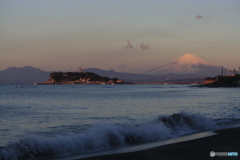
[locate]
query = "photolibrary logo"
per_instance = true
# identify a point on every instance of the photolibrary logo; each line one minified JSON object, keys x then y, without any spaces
{"x":212,"y":154}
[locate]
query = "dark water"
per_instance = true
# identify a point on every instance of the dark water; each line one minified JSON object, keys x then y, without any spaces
{"x":48,"y":120}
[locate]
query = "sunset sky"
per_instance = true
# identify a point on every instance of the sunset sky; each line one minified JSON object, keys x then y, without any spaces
{"x":63,"y":35}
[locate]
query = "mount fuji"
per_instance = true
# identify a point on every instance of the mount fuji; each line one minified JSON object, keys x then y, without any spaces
{"x":188,"y":64}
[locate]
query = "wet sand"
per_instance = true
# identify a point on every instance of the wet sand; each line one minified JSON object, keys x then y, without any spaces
{"x":227,"y":140}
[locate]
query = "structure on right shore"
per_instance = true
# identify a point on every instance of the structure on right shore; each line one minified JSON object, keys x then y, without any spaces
{"x":232,"y":80}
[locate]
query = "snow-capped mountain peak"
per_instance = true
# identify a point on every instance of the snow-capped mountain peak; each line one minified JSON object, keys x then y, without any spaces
{"x":190,"y":59}
{"x":186,"y":64}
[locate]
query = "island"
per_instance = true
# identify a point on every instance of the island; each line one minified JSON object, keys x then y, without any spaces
{"x":79,"y":78}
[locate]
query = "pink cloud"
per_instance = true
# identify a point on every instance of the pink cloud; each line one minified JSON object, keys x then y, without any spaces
{"x":129,"y":45}
{"x":199,"y":17}
{"x":144,"y":46}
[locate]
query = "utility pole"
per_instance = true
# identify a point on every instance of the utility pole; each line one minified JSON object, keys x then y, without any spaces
{"x":222,"y":71}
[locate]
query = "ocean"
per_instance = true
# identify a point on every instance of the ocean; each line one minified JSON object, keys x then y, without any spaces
{"x":54,"y":121}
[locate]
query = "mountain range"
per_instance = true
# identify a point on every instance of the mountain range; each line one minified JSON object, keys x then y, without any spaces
{"x":187,"y":68}
{"x":131,"y":77}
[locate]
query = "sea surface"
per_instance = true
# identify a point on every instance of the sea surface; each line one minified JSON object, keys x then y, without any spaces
{"x":45,"y":121}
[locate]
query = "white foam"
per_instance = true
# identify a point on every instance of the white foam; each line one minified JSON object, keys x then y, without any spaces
{"x":143,"y":146}
{"x":107,"y":136}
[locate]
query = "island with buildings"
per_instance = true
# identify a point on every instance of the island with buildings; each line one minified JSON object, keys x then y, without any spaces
{"x":79,"y":78}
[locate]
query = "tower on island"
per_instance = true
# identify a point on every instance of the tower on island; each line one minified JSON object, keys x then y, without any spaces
{"x":80,"y":70}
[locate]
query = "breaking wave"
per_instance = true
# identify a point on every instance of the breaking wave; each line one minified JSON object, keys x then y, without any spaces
{"x":105,"y":136}
{"x":180,"y":123}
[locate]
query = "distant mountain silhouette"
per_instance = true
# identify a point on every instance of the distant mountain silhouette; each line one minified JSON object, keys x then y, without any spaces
{"x":127,"y":77}
{"x":25,"y":75}
{"x":29,"y":75}
{"x":188,"y":64}
{"x":131,"y":77}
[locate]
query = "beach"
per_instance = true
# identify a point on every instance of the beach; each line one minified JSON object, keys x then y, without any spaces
{"x":226,"y":140}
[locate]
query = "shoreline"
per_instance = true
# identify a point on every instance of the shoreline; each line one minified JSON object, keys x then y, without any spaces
{"x":225,"y":140}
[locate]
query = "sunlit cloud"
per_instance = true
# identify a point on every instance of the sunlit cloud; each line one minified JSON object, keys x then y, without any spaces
{"x":129,"y":45}
{"x":144,"y":46}
{"x":199,"y":17}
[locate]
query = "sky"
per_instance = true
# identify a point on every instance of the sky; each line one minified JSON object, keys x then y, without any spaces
{"x":63,"y":35}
